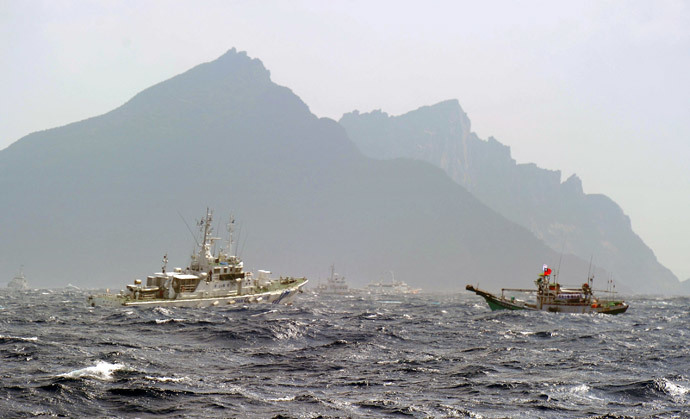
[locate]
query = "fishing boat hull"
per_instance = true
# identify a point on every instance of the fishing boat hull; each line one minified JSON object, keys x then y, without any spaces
{"x":497,"y":303}
{"x":500,"y":303}
{"x":280,"y":296}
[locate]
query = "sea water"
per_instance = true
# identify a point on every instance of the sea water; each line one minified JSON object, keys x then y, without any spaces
{"x":341,"y":356}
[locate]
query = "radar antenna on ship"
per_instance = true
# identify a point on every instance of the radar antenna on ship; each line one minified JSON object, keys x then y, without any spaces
{"x":230,"y":229}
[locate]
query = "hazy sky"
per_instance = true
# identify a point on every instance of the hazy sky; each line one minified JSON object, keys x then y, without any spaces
{"x":596,"y":88}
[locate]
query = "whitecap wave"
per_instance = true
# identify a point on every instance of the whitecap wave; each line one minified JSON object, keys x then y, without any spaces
{"x":282,"y":399}
{"x":162,"y":310}
{"x":23,"y":339}
{"x":101,"y":371}
{"x":166,"y":379}
{"x":163,"y":321}
{"x":672,"y":389}
{"x":582,"y":389}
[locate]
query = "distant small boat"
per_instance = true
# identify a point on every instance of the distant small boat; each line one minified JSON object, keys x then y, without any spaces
{"x":552,"y":297}
{"x":335,"y":284}
{"x":391,"y":287}
{"x":19,"y":282}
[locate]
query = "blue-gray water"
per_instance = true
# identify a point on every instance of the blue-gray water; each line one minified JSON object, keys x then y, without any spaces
{"x":357,"y":356}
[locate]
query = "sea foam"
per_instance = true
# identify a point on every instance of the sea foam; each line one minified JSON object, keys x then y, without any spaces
{"x":101,"y":371}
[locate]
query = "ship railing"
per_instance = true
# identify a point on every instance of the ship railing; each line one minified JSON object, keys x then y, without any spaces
{"x":518,"y":289}
{"x":503,"y":290}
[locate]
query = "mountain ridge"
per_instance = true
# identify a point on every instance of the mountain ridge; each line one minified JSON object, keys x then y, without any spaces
{"x":560,"y":213}
{"x":98,"y":202}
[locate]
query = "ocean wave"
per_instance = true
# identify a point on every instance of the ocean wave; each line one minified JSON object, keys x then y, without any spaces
{"x":672,"y":389}
{"x":101,"y":371}
{"x":648,"y":390}
{"x":342,"y":358}
{"x":167,"y":379}
{"x":162,"y":310}
{"x":149,"y":392}
{"x":11,"y":339}
{"x":164,"y":321}
{"x":472,"y":371}
{"x":388,"y":407}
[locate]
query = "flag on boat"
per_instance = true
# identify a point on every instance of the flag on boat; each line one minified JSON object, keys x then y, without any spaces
{"x":547,"y":270}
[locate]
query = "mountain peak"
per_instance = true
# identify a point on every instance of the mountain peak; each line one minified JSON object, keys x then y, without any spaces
{"x":236,"y":61}
{"x":227,"y":85}
{"x":573,"y":185}
{"x":452,"y":105}
{"x":441,"y":114}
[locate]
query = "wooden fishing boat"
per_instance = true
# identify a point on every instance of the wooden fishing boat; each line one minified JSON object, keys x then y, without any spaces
{"x":552,"y":297}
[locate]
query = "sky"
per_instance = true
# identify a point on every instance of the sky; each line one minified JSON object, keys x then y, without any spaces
{"x":596,"y":88}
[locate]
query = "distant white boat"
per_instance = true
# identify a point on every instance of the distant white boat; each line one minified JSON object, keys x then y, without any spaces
{"x":19,"y":282}
{"x":391,"y":287}
{"x":335,"y":284}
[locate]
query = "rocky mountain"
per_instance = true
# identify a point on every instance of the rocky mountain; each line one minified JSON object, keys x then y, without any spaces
{"x":99,"y":202}
{"x":559,"y":213}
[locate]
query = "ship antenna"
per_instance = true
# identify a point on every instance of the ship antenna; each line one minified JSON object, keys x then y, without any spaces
{"x":242,"y":248}
{"x":237,"y":245}
{"x":214,"y":243}
{"x":230,"y":231}
{"x":188,"y":228}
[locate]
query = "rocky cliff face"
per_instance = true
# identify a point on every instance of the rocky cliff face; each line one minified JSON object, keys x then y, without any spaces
{"x":559,"y":213}
{"x":98,"y":202}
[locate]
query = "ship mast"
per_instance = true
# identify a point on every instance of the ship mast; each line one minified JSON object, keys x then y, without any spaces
{"x":204,"y":252}
{"x":228,"y":247}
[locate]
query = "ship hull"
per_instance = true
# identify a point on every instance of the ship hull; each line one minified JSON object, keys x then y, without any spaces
{"x":498,"y":304}
{"x":280,"y":296}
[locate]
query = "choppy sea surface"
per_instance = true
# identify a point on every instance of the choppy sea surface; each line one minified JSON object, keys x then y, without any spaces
{"x":341,"y":356}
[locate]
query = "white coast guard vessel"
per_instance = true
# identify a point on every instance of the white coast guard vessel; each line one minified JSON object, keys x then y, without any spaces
{"x":19,"y":282}
{"x":391,"y":287}
{"x":335,"y":284}
{"x":209,"y":280}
